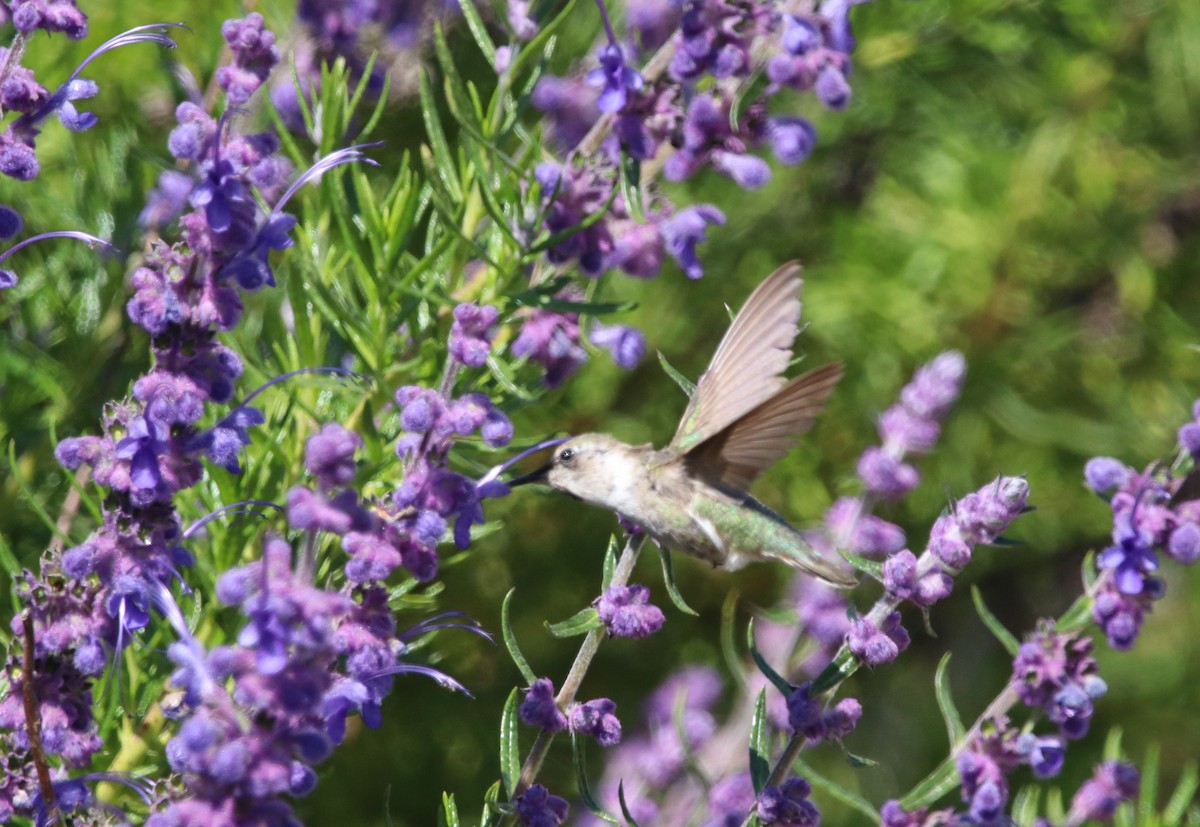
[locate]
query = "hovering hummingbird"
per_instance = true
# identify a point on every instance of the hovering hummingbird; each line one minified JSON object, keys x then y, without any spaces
{"x":692,"y":496}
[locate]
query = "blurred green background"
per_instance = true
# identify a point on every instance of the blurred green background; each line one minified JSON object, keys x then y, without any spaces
{"x":1017,"y":180}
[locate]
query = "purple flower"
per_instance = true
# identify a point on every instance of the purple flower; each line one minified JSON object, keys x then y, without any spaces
{"x":329,"y":455}
{"x":598,"y":719}
{"x":614,"y":78}
{"x":551,"y":339}
{"x":1103,"y":474}
{"x":807,"y":718}
{"x":788,"y":806}
{"x":51,"y":16}
{"x":626,"y":344}
{"x":876,"y":645}
{"x":1045,"y":755}
{"x":536,"y":807}
{"x":539,"y":708}
{"x":472,"y":332}
{"x":729,"y":800}
{"x":885,"y":476}
{"x":684,"y":230}
{"x":254,"y":55}
{"x":792,"y":139}
{"x":1112,"y":783}
{"x":627,"y":612}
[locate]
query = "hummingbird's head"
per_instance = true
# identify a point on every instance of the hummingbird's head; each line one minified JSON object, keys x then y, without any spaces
{"x":591,"y":467}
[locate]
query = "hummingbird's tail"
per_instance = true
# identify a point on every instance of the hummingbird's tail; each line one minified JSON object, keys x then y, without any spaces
{"x":829,"y":569}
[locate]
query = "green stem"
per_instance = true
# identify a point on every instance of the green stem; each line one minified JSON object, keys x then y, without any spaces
{"x":583,"y":660}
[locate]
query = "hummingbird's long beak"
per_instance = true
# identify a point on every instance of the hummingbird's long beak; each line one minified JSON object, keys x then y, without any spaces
{"x":538,"y":475}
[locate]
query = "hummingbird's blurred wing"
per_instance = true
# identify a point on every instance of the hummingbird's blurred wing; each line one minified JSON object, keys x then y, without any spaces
{"x":737,"y":455}
{"x":747,"y":368}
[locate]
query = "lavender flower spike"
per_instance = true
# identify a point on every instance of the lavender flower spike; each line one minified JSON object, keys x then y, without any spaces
{"x":8,"y":278}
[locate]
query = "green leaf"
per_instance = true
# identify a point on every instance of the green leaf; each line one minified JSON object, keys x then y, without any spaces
{"x":1025,"y":805}
{"x":629,"y":820}
{"x":31,"y":499}
{"x":760,"y":761}
{"x":449,"y":813}
{"x":941,"y":688}
{"x":510,"y":641}
{"x":8,"y":560}
{"x":542,"y":41}
{"x":478,"y":30}
{"x":835,"y":790}
{"x":934,"y":786}
{"x":1077,"y":616}
{"x":580,"y":623}
{"x":510,"y":750}
{"x":457,"y":97}
{"x":554,"y":239}
{"x":631,"y":187}
{"x":610,"y":562}
{"x":668,"y":568}
{"x":1148,"y":785}
{"x":682,"y":381}
{"x":444,"y":166}
{"x":871,"y":568}
{"x":581,"y":781}
{"x":733,"y":660}
{"x":1182,"y":798}
{"x":748,"y":90}
{"x":774,"y":677}
{"x":1006,"y":638}
{"x":843,"y":665}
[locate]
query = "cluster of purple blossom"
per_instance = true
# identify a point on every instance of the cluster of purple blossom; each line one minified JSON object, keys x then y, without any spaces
{"x":1153,"y":511}
{"x":90,"y":601}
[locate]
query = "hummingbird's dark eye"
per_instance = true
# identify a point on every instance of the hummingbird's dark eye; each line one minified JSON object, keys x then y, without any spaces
{"x":566,"y":455}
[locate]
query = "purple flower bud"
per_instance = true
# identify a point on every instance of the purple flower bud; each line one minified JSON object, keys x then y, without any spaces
{"x":748,"y":171}
{"x":523,"y":26}
{"x":51,"y":16}
{"x":627,"y":612}
{"x":900,"y":575}
{"x":539,"y":709}
{"x":329,"y":455}
{"x":893,"y":815}
{"x":947,"y":544}
{"x":935,"y":386}
{"x":875,"y":646}
{"x":831,"y":87}
{"x":536,"y":807}
{"x":472,"y":332}
{"x":792,"y":139}
{"x":597,"y":718}
{"x":799,"y":36}
{"x":497,"y":430}
{"x":884,"y":475}
{"x":626,"y":344}
{"x":420,"y":410}
{"x":905,"y":431}
{"x":1112,"y":783}
{"x":1184,"y":543}
{"x":984,"y":515}
{"x":10,"y":220}
{"x":373,"y":557}
{"x":1189,"y":438}
{"x":254,"y":54}
{"x":933,"y":587}
{"x":787,"y":805}
{"x":1103,"y":474}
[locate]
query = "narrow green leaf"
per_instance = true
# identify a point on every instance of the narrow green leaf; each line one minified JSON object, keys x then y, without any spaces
{"x":871,"y":568}
{"x":835,"y":790}
{"x":748,"y":90}
{"x":1089,"y":571}
{"x":1025,"y":805}
{"x":478,"y":30}
{"x":1148,"y":785}
{"x":629,"y":820}
{"x":581,"y":781}
{"x":8,"y":561}
{"x":542,"y":41}
{"x":580,"y":623}
{"x":859,"y":761}
{"x":1182,"y":798}
{"x":456,"y":90}
{"x":449,"y":814}
{"x":1112,"y":744}
{"x":934,"y":786}
{"x":1006,"y":638}
{"x":1056,"y":811}
{"x":444,"y":166}
{"x":774,"y":677}
{"x":492,"y":814}
{"x":594,"y":308}
{"x":610,"y":561}
{"x":729,"y":652}
{"x":510,"y":749}
{"x":510,"y":641}
{"x":689,"y":387}
{"x":941,"y":688}
{"x":1077,"y":616}
{"x":760,"y":761}
{"x":668,"y":568}
{"x":30,"y":498}
{"x":843,"y":665}
{"x":631,"y":187}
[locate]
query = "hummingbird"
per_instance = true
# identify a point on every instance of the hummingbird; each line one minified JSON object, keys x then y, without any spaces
{"x":693,"y":495}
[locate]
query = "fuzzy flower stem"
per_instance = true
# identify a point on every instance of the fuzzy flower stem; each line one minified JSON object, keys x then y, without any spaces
{"x":587,"y":651}
{"x":33,"y":720}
